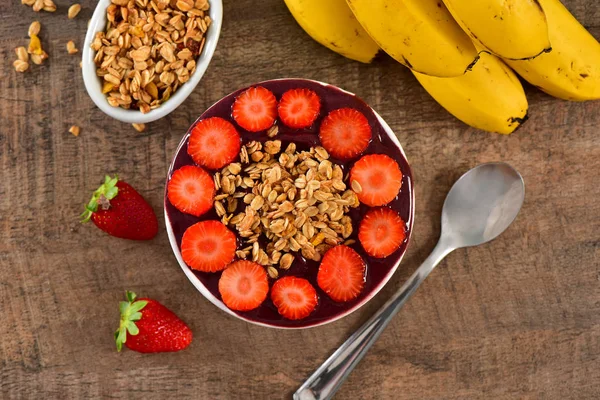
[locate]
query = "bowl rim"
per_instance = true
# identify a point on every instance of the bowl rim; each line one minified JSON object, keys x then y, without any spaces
{"x":217,"y":302}
{"x":93,"y":83}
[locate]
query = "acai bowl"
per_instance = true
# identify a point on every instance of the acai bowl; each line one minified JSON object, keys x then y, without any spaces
{"x":289,"y":203}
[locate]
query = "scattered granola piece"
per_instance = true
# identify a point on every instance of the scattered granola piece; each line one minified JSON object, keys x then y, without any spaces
{"x":74,"y":130}
{"x":273,"y":273}
{"x":285,"y":262}
{"x":49,"y":6}
{"x":34,"y":28}
{"x":38,"y":59}
{"x":71,"y":49}
{"x":356,"y":186}
{"x":73,"y":11}
{"x":21,"y":66}
{"x":139,"y":127}
{"x":22,"y":54}
{"x":38,"y":5}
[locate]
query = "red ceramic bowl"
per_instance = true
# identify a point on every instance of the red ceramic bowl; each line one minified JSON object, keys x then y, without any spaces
{"x":379,"y":271}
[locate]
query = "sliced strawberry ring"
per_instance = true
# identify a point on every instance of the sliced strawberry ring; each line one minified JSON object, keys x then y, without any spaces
{"x":381,"y":232}
{"x":298,"y":108}
{"x":376,"y":179}
{"x":255,"y":109}
{"x":214,"y":143}
{"x":295,"y":298}
{"x":341,"y":273}
{"x":191,"y":190}
{"x":208,"y":246}
{"x":243,"y":285}
{"x":345,"y":133}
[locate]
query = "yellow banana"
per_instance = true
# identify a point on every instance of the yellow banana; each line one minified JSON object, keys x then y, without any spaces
{"x":571,"y":71}
{"x":420,"y":34}
{"x":331,"y":23}
{"x":515,"y":29}
{"x":488,"y":97}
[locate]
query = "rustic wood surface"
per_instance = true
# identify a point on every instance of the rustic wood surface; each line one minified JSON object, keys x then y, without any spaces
{"x":517,"y":318}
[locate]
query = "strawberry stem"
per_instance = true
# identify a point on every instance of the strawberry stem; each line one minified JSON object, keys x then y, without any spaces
{"x":130,"y":312}
{"x":106,"y":192}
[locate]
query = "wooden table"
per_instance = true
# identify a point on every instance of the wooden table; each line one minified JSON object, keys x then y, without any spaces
{"x":517,"y":318}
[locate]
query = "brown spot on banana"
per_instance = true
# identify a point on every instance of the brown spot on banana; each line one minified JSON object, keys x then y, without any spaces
{"x":519,"y":121}
{"x":470,"y":66}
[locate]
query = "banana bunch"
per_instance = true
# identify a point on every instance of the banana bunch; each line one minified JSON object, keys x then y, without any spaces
{"x":459,"y":49}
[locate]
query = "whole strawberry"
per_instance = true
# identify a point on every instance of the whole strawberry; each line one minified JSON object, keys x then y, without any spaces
{"x":120,"y":211}
{"x":149,"y":327}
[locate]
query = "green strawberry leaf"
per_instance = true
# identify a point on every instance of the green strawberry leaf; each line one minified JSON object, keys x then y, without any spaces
{"x":108,"y":190}
{"x":132,"y":328}
{"x":136,"y":316}
{"x":130,"y":312}
{"x":137,"y":306}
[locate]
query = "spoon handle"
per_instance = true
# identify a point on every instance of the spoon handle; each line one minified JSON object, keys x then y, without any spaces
{"x":327,"y":379}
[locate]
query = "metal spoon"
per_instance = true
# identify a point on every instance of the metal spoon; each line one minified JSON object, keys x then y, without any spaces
{"x":478,"y":208}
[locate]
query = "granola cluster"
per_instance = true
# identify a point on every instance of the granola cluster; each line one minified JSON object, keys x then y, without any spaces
{"x":149,"y":49}
{"x":34,"y":51}
{"x":40,"y":5}
{"x":282,"y":202}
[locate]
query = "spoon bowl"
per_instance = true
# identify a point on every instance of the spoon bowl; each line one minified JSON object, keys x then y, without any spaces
{"x":482,"y":204}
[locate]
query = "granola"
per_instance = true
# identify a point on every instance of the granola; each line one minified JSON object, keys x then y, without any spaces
{"x":149,"y":50}
{"x":71,"y":48}
{"x":74,"y":130}
{"x":39,"y":5}
{"x":73,"y":11}
{"x":34,"y":51}
{"x":284,"y":201}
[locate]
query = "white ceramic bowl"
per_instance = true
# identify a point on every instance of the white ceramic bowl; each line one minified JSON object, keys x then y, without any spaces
{"x":93,"y":83}
{"x":308,"y":322}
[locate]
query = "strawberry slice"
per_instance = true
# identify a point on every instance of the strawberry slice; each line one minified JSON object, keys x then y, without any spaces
{"x":345,"y":133}
{"x":298,"y":108}
{"x":214,"y":143}
{"x":376,"y":179}
{"x":244,"y":285}
{"x":381,"y":232}
{"x":295,"y":298}
{"x":341,"y":273}
{"x":191,"y":190}
{"x":255,"y":109}
{"x":208,"y":246}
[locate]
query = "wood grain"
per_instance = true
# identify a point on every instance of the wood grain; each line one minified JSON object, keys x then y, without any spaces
{"x":517,"y":318}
